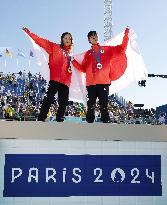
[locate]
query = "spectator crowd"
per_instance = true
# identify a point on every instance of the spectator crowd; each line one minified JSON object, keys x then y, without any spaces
{"x":21,"y":95}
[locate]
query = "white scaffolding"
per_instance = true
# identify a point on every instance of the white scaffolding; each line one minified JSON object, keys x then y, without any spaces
{"x":107,"y":19}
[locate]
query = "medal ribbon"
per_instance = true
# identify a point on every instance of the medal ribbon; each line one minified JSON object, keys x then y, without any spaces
{"x":68,"y":57}
{"x":97,"y":54}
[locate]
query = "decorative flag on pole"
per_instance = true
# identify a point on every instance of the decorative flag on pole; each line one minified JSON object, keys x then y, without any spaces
{"x":31,"y":55}
{"x":20,"y":54}
{"x":8,"y":53}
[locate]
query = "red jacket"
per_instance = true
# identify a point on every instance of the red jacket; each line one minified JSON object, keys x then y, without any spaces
{"x":108,"y":55}
{"x":57,"y":59}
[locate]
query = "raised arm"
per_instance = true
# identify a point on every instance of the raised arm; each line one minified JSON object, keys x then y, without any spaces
{"x":125,"y":39}
{"x":114,"y":51}
{"x":44,"y":43}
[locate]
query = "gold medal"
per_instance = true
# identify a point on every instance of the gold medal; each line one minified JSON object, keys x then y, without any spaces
{"x":69,"y":69}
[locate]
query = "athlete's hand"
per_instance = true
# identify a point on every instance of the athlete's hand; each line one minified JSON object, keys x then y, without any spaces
{"x":25,"y":29}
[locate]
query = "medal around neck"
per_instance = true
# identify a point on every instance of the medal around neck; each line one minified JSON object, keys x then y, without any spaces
{"x":69,"y":69}
{"x":99,"y":66}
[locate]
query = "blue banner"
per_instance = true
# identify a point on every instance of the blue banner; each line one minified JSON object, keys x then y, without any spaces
{"x":58,"y":175}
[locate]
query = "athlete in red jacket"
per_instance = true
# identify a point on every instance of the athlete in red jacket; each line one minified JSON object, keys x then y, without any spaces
{"x":97,"y":66}
{"x":60,"y":73}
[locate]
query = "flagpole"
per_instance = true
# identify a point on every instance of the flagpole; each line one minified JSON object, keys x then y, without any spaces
{"x":17,"y":62}
{"x":29,"y":63}
{"x":5,"y":62}
{"x":30,"y":55}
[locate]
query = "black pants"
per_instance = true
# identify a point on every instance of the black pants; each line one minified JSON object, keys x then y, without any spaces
{"x":63,"y":93}
{"x":101,"y":91}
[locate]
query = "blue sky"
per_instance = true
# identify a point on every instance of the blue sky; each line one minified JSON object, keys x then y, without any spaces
{"x":51,"y":18}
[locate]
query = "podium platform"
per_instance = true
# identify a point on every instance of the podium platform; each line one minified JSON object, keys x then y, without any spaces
{"x":82,"y":131}
{"x":68,"y":163}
